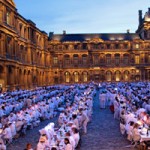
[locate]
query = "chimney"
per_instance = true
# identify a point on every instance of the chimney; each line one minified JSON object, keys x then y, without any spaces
{"x":128,"y":31}
{"x":140,"y":17}
{"x":50,"y":35}
{"x":64,"y":32}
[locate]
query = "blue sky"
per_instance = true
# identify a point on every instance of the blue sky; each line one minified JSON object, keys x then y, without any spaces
{"x":83,"y":16}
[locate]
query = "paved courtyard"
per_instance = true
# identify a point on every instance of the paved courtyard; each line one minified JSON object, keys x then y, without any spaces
{"x":103,"y":133}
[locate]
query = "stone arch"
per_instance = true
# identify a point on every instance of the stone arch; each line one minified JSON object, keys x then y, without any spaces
{"x":85,"y":76}
{"x":126,"y":75}
{"x":29,"y":78}
{"x":2,"y":81}
{"x":117,"y":76}
{"x":109,"y":76}
{"x":67,"y":77}
{"x":10,"y":75}
{"x":76,"y":76}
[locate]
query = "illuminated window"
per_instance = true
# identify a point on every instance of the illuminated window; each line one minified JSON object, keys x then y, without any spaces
{"x":126,"y":75}
{"x":8,"y":17}
{"x":108,"y":76}
{"x":148,"y":58}
{"x":55,"y":60}
{"x":118,"y":76}
{"x":137,"y":46}
{"x":137,"y":59}
{"x":1,"y":16}
{"x":76,"y":77}
{"x":85,"y":76}
{"x":67,"y":77}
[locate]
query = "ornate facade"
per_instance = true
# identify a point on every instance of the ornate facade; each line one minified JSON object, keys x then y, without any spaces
{"x":29,"y":57}
{"x":24,"y":56}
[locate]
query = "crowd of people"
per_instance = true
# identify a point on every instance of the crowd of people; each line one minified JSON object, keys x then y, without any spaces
{"x":72,"y":121}
{"x":21,"y":110}
{"x":24,"y":109}
{"x":130,"y":103}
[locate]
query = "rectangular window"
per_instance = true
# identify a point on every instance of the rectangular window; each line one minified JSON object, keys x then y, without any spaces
{"x":84,"y":59}
{"x":55,"y":60}
{"x":149,"y":59}
{"x":137,"y":46}
{"x":108,"y":60}
{"x":8,"y":17}
{"x":117,"y":60}
{"x":67,"y":61}
{"x":1,"y":16}
{"x":96,"y":60}
{"x":126,"y":60}
{"x":137,"y":59}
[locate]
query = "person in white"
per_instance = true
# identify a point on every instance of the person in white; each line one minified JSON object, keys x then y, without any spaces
{"x":102,"y":99}
{"x":68,"y":146}
{"x":7,"y":135}
{"x":76,"y":136}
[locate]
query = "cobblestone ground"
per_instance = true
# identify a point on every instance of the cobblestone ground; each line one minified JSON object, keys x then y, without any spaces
{"x":103,"y":133}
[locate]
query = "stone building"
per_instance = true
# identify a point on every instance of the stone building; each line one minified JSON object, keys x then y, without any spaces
{"x":29,"y":57}
{"x":24,"y":55}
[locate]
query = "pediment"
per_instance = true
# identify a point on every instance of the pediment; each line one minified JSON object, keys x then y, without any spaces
{"x":96,"y":40}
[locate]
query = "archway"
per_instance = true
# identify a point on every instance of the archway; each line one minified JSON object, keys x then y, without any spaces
{"x":67,"y":77}
{"x":109,"y":76}
{"x":117,"y":76}
{"x":76,"y":77}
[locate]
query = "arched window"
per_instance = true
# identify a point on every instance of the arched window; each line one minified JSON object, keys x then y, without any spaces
{"x":76,"y":77}
{"x":85,"y":76}
{"x":67,"y":77}
{"x":108,"y":76}
{"x":126,"y":75}
{"x":118,"y":76}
